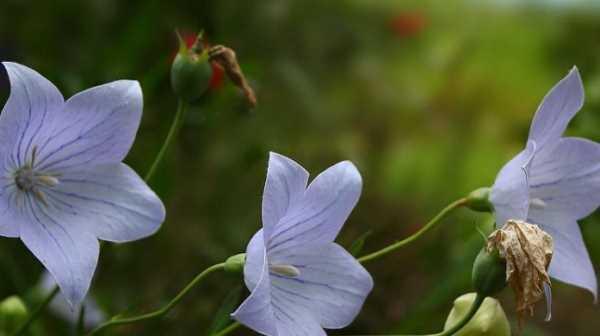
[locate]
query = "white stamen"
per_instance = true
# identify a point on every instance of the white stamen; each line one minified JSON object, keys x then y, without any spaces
{"x":537,"y":203}
{"x":48,"y":180}
{"x":285,"y":270}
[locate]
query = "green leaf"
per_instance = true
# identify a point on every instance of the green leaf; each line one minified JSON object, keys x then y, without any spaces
{"x":222,"y":318}
{"x":357,"y":246}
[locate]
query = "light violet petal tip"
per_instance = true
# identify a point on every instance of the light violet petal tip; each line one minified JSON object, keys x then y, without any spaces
{"x":557,"y":109}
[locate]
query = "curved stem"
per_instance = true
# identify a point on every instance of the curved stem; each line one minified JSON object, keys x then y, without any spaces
{"x":228,"y":329}
{"x":162,"y":311}
{"x":38,"y":310}
{"x":472,"y":311}
{"x":391,"y":248}
{"x":175,"y":126}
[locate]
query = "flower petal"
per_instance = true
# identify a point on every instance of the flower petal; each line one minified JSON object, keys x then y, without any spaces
{"x":68,"y":252}
{"x":565,"y":177}
{"x":510,"y":192}
{"x":285,"y":186}
{"x":556,"y":110}
{"x":9,"y":230}
{"x":548,"y":295}
{"x":256,"y":311}
{"x":9,"y":200}
{"x":33,"y":102}
{"x":109,"y":200}
{"x":332,"y":284}
{"x":323,"y":209}
{"x":255,"y":254}
{"x":571,"y":262}
{"x":95,"y":126}
{"x":295,"y":320}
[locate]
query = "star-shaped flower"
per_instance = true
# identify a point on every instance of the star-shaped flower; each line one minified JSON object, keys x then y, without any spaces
{"x":62,"y":183}
{"x":301,"y":281}
{"x":554,"y":182}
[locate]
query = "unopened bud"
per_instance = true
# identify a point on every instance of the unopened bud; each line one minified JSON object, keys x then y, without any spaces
{"x":13,"y":313}
{"x":235,"y":264}
{"x":490,"y":319}
{"x":191,"y":71}
{"x":489,"y":273}
{"x":479,"y":200}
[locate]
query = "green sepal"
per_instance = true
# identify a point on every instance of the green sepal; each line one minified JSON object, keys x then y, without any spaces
{"x":235,"y":264}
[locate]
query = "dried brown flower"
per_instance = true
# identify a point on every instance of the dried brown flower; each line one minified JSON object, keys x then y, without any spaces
{"x":227,"y":59}
{"x":527,"y":250}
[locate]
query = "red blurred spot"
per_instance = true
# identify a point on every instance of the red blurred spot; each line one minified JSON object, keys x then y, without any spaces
{"x":218,"y":74}
{"x":407,"y":24}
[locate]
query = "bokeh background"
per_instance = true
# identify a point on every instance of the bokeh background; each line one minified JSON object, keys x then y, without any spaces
{"x":427,"y":98}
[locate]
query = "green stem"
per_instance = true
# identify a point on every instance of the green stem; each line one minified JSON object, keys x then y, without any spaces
{"x":162,"y":311}
{"x":175,"y":126}
{"x":80,"y":330}
{"x":228,"y":329}
{"x":391,"y":248}
{"x":38,"y":310}
{"x":472,"y":311}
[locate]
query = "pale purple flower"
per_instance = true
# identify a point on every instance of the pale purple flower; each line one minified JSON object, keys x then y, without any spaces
{"x":301,"y":281}
{"x":62,"y":183}
{"x":554,"y":182}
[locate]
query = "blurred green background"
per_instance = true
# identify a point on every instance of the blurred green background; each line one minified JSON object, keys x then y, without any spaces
{"x":427,"y":98}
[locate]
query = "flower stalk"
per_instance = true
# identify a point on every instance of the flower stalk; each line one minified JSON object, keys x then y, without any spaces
{"x":431,"y":224}
{"x":162,"y":311}
{"x":173,"y":130}
{"x":232,"y":327}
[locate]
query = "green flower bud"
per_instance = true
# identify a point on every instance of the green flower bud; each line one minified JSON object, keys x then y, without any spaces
{"x":191,"y":71}
{"x":13,"y":313}
{"x":490,"y":319}
{"x":235,"y":264}
{"x":489,"y":273}
{"x":479,"y":200}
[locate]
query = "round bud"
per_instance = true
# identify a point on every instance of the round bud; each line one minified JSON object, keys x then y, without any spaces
{"x":489,"y":273}
{"x":13,"y":313}
{"x":479,"y":200}
{"x":191,"y":72}
{"x":490,"y":319}
{"x":235,"y":264}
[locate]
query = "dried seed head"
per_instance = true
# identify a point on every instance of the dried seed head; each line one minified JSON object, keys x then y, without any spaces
{"x":227,"y":59}
{"x":527,"y":250}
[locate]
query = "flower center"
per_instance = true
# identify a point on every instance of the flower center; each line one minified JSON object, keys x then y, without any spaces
{"x":284,"y":270}
{"x":28,"y":180}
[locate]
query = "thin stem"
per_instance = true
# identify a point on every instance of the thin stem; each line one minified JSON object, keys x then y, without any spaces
{"x":472,"y":311}
{"x":175,"y":126}
{"x":80,"y":330}
{"x":38,"y":310}
{"x":391,"y":248}
{"x":162,"y":311}
{"x":228,"y":329}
